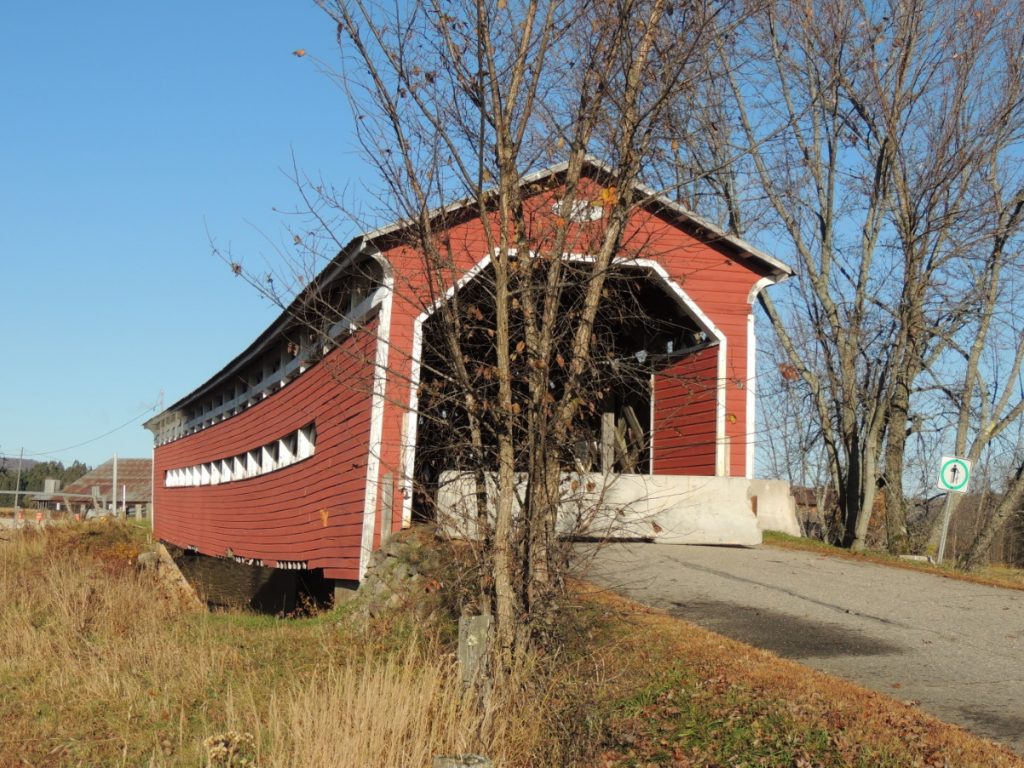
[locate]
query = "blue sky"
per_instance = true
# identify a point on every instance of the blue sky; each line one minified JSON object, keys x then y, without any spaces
{"x":127,"y":130}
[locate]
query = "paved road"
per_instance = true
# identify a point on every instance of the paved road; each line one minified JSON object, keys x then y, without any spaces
{"x":956,"y":647}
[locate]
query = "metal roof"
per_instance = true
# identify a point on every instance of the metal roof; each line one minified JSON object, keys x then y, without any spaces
{"x":135,"y":474}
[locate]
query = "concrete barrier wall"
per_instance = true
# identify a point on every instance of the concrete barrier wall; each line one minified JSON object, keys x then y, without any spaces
{"x":775,"y":505}
{"x":674,"y":509}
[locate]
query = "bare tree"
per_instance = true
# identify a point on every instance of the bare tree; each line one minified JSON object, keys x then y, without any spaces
{"x":872,"y":131}
{"x":989,"y":400}
{"x":461,"y":101}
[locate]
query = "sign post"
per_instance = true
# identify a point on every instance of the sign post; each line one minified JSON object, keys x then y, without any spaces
{"x":954,"y":474}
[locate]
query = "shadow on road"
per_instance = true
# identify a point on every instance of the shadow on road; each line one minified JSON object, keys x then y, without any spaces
{"x":788,"y":636}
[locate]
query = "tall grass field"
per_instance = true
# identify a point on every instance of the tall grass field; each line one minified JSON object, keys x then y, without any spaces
{"x":101,"y":664}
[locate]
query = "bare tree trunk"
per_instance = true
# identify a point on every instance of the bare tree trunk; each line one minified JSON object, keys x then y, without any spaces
{"x":897,"y":534}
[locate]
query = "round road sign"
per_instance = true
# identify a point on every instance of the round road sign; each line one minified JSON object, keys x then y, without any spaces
{"x":954,"y":474}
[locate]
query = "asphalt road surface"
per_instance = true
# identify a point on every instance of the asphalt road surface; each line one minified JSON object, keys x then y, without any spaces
{"x":956,"y":647}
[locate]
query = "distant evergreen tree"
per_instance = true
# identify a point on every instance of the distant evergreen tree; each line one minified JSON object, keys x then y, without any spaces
{"x":75,"y":471}
{"x":33,"y":478}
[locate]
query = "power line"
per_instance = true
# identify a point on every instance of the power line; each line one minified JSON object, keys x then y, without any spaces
{"x":128,"y":423}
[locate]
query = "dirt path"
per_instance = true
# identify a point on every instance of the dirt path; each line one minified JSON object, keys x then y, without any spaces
{"x":955,"y":647}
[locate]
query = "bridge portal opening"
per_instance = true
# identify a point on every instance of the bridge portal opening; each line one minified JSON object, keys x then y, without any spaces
{"x":643,"y":324}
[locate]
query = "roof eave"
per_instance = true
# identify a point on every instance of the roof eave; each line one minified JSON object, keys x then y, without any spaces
{"x":280,"y":324}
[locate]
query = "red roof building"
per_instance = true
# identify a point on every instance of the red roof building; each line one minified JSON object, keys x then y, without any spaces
{"x":94,"y":489}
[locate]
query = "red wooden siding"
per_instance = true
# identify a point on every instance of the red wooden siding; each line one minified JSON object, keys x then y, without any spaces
{"x":684,"y":416}
{"x":310,"y":511}
{"x":720,"y":284}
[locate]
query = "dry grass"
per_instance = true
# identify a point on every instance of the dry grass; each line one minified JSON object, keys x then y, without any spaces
{"x":96,"y":667}
{"x":399,"y":711}
{"x":705,"y":700}
{"x":99,"y":667}
{"x":1002,"y":576}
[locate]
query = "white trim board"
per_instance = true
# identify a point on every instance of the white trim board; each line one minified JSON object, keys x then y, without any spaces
{"x":412,"y":423}
{"x":377,"y":402}
{"x":751,"y":379}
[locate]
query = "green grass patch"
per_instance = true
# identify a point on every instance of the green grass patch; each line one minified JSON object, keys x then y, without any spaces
{"x":683,"y":719}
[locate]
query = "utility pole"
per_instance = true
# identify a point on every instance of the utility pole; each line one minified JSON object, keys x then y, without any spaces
{"x":17,"y":482}
{"x":113,"y":488}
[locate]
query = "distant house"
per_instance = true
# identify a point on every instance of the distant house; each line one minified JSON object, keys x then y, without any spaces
{"x":300,"y":458}
{"x":94,"y":489}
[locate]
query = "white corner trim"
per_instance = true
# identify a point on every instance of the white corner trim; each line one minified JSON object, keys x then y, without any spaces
{"x":721,"y":443}
{"x":152,"y":493}
{"x":412,"y":422}
{"x":751,"y":386}
{"x":750,"y":378}
{"x":757,"y":287}
{"x":650,"y":421}
{"x":377,"y":402}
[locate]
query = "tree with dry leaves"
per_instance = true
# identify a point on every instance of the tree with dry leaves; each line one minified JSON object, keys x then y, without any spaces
{"x":462,"y":100}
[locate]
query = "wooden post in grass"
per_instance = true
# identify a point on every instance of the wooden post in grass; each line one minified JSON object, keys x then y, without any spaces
{"x":17,"y":481}
{"x":113,"y":489}
{"x":473,"y":632}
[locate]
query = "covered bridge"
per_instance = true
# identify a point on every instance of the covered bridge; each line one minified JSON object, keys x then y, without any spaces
{"x":303,"y":455}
